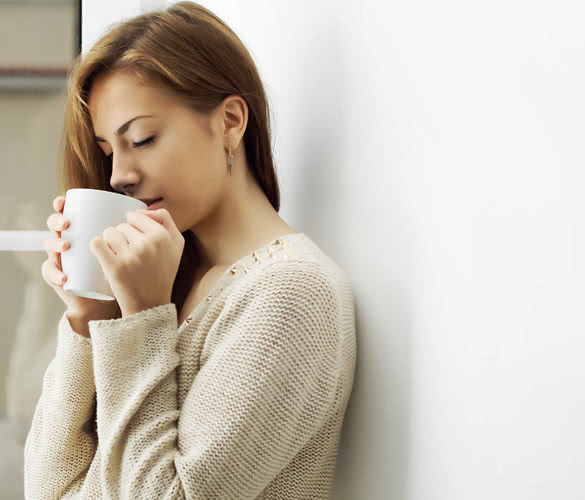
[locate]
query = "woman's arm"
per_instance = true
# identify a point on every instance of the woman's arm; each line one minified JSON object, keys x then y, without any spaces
{"x":267,"y":382}
{"x":62,"y":442}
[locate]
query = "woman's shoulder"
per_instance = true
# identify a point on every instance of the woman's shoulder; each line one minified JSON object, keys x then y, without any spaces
{"x":292,"y":263}
{"x":295,"y":290}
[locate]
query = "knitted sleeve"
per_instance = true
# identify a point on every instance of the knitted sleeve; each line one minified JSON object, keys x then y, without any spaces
{"x":61,"y":442}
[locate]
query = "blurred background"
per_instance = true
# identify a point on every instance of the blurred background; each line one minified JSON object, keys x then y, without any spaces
{"x":38,"y":41}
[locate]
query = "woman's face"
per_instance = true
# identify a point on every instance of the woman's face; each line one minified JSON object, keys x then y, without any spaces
{"x":172,"y":153}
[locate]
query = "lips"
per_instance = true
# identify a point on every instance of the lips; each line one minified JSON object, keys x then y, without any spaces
{"x":154,"y":204}
{"x":149,"y":201}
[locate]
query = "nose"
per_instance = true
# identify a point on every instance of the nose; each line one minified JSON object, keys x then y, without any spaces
{"x":124,"y":174}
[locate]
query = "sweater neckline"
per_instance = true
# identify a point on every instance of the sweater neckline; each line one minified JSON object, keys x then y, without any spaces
{"x":277,"y":249}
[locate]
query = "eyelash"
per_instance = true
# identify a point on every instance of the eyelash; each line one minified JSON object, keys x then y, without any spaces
{"x":137,"y":145}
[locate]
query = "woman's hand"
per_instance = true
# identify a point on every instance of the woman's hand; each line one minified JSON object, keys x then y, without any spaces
{"x":140,"y":259}
{"x":52,"y":272}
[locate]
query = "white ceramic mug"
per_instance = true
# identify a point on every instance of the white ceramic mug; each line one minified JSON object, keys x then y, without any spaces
{"x":90,"y":212}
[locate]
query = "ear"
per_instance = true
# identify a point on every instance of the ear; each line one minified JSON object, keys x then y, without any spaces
{"x":234,"y":117}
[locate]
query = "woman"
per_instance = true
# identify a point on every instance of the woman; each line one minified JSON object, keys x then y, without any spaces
{"x":230,"y":380}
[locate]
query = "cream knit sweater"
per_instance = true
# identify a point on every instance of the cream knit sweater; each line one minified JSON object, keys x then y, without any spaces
{"x":244,"y":400}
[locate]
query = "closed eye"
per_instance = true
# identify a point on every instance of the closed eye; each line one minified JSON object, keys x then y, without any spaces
{"x":142,"y":143}
{"x":137,"y":144}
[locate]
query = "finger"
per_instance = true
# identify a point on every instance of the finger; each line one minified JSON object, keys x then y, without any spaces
{"x":169,"y":224}
{"x":59,"y":277}
{"x":54,"y":257}
{"x":57,"y":222}
{"x":56,"y":245}
{"x":140,"y":220}
{"x":102,"y":251}
{"x":45,"y":271}
{"x":58,"y":203}
{"x":115,"y":240}
{"x":161,"y":216}
{"x":130,"y":232}
{"x":51,"y":273}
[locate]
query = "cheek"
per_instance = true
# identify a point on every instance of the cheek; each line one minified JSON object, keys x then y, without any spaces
{"x":200,"y":175}
{"x":207,"y":191}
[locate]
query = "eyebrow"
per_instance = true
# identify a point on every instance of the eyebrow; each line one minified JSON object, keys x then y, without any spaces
{"x":124,"y":128}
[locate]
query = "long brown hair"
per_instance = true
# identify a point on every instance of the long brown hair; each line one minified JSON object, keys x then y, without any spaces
{"x":191,"y":53}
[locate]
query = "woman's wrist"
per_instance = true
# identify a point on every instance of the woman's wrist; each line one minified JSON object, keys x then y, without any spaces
{"x":78,"y":323}
{"x":79,"y":320}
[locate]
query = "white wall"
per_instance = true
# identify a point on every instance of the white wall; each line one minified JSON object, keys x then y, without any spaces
{"x":434,"y":150}
{"x":98,"y":15}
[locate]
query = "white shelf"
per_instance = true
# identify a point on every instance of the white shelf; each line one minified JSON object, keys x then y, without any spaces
{"x":23,"y":241}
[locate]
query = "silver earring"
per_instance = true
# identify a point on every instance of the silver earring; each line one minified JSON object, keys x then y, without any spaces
{"x":230,"y":160}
